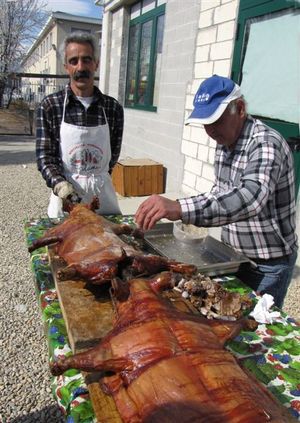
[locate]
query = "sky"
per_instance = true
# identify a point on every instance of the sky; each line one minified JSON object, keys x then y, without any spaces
{"x":74,"y":7}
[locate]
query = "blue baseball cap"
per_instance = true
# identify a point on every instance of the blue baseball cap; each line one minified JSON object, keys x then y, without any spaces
{"x":212,"y":98}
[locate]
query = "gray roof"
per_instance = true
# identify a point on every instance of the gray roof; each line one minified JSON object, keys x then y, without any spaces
{"x":75,"y":18}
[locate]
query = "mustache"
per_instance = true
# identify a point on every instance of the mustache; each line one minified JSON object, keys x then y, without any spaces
{"x":81,"y":74}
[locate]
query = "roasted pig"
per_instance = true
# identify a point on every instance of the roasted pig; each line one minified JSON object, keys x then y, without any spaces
{"x":167,"y":366}
{"x":90,"y":246}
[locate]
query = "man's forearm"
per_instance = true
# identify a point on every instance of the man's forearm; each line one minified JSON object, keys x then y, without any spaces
{"x":52,"y":174}
{"x":48,"y":164}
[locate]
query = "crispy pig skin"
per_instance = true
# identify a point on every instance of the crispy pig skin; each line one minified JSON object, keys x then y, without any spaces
{"x":169,"y":366}
{"x":90,"y":246}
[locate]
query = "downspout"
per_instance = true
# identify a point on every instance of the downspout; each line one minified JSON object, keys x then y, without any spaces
{"x":105,"y":53}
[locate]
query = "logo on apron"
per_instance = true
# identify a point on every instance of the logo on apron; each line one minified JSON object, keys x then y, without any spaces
{"x":85,"y":158}
{"x":86,"y":153}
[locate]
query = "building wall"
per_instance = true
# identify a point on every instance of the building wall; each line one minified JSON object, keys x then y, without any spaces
{"x":213,"y":55}
{"x":156,"y":135}
{"x":116,"y":73}
{"x":42,"y":59}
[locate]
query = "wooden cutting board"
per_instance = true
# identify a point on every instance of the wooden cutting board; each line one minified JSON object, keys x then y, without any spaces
{"x":87,"y":310}
{"x":88,"y":315}
{"x":104,"y":406}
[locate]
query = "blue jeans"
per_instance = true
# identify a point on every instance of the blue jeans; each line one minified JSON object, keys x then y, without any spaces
{"x":271,"y":276}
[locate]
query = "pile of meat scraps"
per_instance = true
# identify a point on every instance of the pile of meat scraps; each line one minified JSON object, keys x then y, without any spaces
{"x":211,"y":299}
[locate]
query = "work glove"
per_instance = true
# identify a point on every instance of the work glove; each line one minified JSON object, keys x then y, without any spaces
{"x":65,"y":191}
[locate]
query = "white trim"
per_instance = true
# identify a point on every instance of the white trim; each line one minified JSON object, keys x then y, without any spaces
{"x":235,"y":93}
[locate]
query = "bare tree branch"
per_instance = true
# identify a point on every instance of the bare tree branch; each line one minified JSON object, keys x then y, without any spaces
{"x":20,"y":22}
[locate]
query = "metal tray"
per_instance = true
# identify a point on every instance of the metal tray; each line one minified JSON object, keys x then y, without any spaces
{"x":211,"y":256}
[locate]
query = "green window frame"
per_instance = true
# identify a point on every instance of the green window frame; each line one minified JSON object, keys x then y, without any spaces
{"x":143,"y":67}
{"x":251,"y":9}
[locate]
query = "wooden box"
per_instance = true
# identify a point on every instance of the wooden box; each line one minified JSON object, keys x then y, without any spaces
{"x":134,"y":177}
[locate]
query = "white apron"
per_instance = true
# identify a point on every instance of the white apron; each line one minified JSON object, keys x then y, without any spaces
{"x":86,"y":153}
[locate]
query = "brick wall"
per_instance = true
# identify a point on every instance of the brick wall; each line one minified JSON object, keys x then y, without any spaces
{"x":213,"y":54}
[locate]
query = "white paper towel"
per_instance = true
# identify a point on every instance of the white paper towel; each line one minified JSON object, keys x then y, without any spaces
{"x":261,"y":311}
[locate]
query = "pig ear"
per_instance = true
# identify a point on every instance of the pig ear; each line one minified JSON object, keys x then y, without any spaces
{"x":120,"y":289}
{"x":95,"y":203}
{"x":162,"y":281}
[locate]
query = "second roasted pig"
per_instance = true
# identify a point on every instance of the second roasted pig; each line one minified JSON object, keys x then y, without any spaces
{"x":169,"y":366}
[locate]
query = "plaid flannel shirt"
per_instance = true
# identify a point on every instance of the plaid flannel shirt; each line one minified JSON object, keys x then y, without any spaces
{"x":49,"y":117}
{"x":253,"y":197}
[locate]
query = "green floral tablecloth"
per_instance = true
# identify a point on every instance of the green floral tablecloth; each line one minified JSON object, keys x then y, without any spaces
{"x":271,"y":353}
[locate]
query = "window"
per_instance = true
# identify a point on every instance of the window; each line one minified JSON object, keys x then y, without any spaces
{"x":144,"y":54}
{"x":266,"y":70}
{"x":266,"y":64}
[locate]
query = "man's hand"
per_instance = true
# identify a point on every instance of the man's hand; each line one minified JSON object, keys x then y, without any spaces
{"x":156,"y":208}
{"x":64,"y":190}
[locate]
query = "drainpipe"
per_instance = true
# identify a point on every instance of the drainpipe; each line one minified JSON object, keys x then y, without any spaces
{"x":104,"y":53}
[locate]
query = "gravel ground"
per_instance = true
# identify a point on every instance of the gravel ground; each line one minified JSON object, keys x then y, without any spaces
{"x":25,"y":394}
{"x":24,"y":376}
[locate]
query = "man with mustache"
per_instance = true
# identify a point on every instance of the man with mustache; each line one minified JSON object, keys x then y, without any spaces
{"x":253,"y":196}
{"x":79,"y":133}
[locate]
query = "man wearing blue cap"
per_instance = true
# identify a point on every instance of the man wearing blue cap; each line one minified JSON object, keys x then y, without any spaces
{"x":253,"y":197}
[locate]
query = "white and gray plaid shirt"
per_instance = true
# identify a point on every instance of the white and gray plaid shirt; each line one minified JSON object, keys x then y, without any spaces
{"x":253,"y":197}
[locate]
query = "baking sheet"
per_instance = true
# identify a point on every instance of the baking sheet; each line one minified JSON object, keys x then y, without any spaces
{"x":212,"y":257}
